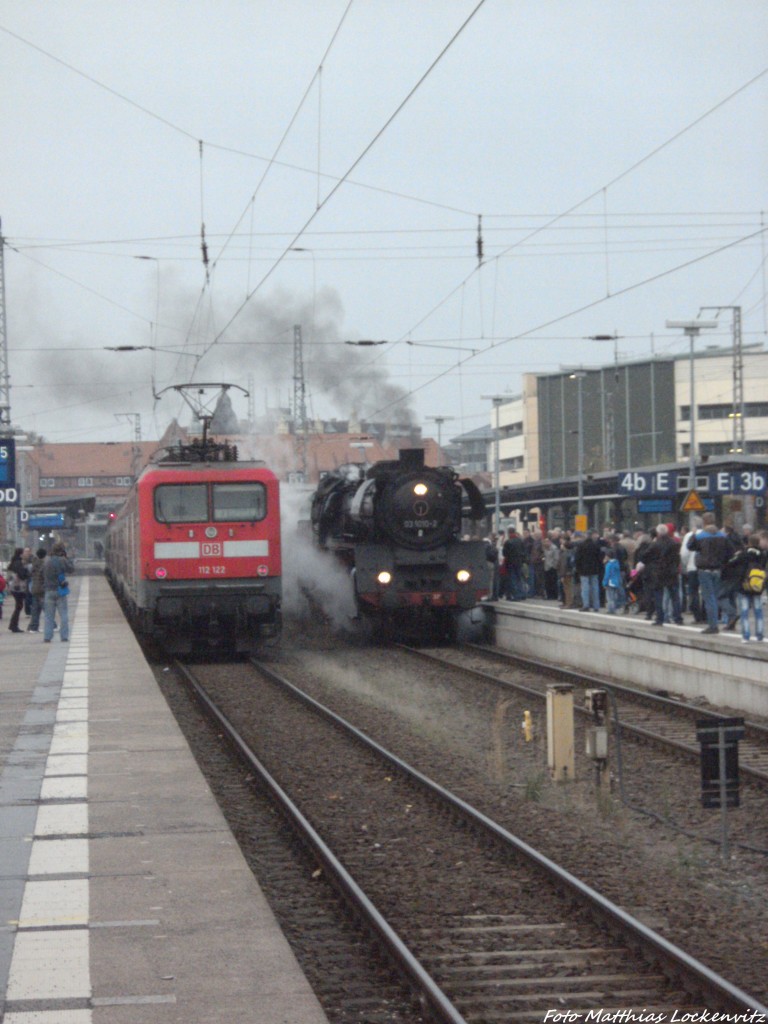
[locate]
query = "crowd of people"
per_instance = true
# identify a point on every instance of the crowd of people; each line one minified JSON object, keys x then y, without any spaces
{"x":715,"y":576}
{"x":36,"y":583}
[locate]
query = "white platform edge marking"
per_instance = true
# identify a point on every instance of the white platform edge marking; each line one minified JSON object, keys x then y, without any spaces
{"x":56,"y":964}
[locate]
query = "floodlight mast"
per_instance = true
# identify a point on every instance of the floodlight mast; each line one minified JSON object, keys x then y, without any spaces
{"x":692,"y":328}
{"x":497,"y":400}
{"x":578,"y":376}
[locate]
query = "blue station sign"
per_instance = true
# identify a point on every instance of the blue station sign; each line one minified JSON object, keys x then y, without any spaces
{"x":9,"y":494}
{"x":41,"y":520}
{"x":672,"y":482}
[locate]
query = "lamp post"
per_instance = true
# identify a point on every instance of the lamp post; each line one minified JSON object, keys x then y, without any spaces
{"x":578,"y":376}
{"x":692,"y":328}
{"x":609,"y":430}
{"x":497,"y":401}
{"x":440,"y":420}
{"x":153,"y":327}
{"x":311,"y":254}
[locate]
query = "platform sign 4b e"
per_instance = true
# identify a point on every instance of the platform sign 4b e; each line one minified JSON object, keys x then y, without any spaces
{"x":9,"y":494}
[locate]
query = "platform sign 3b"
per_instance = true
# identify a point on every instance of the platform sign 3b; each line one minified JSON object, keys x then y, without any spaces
{"x":9,"y":494}
{"x":742,"y":481}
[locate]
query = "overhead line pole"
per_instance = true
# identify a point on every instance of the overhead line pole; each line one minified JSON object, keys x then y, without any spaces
{"x":5,"y":380}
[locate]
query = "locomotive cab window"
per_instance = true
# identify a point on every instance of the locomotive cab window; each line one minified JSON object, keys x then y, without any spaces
{"x":181,"y":503}
{"x":246,"y":501}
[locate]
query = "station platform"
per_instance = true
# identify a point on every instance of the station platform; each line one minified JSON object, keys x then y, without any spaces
{"x":680,"y":660}
{"x":123,"y":894}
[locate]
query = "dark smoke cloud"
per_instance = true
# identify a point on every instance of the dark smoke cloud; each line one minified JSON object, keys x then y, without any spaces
{"x":340,"y":380}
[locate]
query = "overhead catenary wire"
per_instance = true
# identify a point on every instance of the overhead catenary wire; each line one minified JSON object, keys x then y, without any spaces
{"x":272,"y":160}
{"x":555,"y":228}
{"x":597,"y":192}
{"x":625,"y":173}
{"x":171,"y":125}
{"x":356,"y":162}
{"x":593,"y":304}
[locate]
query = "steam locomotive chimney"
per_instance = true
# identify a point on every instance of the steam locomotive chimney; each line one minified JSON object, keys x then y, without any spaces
{"x":411,"y":458}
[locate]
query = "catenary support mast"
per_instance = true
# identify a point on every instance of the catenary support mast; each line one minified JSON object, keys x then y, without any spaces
{"x":5,"y":381}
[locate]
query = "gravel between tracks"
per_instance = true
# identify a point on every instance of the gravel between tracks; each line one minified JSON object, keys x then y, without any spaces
{"x":468,"y":737}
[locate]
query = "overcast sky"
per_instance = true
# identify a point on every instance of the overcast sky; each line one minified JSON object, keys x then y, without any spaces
{"x":617,"y":152}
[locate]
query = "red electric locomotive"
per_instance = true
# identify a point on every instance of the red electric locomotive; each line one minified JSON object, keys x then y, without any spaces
{"x":194,"y":555}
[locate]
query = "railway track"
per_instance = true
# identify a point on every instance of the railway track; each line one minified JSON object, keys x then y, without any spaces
{"x":484,"y":927}
{"x":652,"y":718}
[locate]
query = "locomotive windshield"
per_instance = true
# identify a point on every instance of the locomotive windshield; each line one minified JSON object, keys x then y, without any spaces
{"x":239,"y":501}
{"x":181,"y":503}
{"x":231,"y":502}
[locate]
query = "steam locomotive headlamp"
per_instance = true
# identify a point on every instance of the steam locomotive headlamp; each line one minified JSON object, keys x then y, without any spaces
{"x":463,"y":575}
{"x":420,"y":489}
{"x":384,"y":578}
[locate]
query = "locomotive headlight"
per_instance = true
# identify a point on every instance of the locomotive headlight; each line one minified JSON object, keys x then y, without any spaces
{"x":420,"y":489}
{"x":384,"y":577}
{"x":463,"y":575}
{"x":161,"y":573}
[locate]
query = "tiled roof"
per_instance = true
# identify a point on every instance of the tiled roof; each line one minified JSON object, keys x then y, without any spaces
{"x":324,"y":453}
{"x":90,"y":459}
{"x":95,"y":462}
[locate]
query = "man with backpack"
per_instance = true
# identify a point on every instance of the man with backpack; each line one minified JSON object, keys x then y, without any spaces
{"x":750,"y":563}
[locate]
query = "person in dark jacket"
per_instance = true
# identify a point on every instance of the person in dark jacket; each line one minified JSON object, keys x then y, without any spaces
{"x":588,"y":563}
{"x":55,"y":570}
{"x":641,"y":584}
{"x":492,"y":558}
{"x":750,"y":564}
{"x":18,"y":575}
{"x":662,"y":562}
{"x":713,"y":552}
{"x":514,"y":555}
{"x":36,"y":590}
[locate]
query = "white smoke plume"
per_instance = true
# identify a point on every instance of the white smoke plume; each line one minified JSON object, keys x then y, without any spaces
{"x":312,"y":579}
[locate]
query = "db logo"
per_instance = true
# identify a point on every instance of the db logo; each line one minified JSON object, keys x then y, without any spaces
{"x":211,"y":550}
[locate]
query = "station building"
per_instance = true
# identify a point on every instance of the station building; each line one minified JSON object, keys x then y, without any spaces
{"x":633,"y":416}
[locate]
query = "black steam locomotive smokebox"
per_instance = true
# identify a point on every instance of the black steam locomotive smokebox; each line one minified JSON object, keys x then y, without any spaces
{"x":710,"y":732}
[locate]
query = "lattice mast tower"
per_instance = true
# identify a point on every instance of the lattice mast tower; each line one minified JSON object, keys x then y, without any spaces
{"x":300,"y":425}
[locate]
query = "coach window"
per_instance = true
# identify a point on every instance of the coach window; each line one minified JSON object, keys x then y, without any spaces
{"x":181,"y":503}
{"x":232,"y":502}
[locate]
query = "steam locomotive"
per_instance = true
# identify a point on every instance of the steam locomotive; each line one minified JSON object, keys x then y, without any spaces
{"x":396,"y":525}
{"x":194,"y":555}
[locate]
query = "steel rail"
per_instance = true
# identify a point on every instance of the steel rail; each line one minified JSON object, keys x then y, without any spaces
{"x":710,"y":983}
{"x":582,"y":679}
{"x":429,"y":992}
{"x":601,"y":682}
